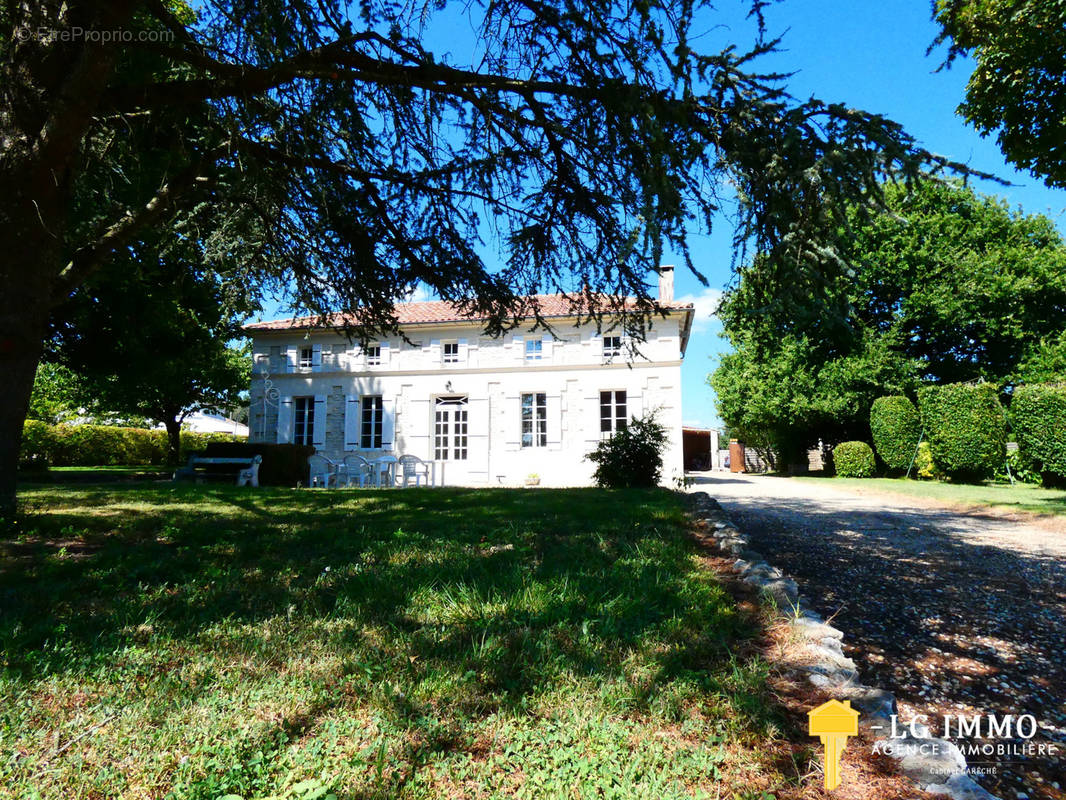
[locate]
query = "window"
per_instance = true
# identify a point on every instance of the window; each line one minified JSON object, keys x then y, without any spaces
{"x":303,"y":431}
{"x":613,"y":416}
{"x":450,"y":352}
{"x":534,"y":349}
{"x":307,"y":357}
{"x":534,"y":420}
{"x":612,"y":348}
{"x":450,"y":429}
{"x":373,"y":355}
{"x":370,"y":433}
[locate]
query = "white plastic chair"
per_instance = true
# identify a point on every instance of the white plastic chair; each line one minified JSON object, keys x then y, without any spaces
{"x":356,"y":469}
{"x":413,"y":468}
{"x":323,"y":472}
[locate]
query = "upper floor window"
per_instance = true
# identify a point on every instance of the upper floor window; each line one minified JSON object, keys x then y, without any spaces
{"x":370,"y":433}
{"x":303,"y":430}
{"x":373,"y":355}
{"x":613,"y":417}
{"x":450,"y":352}
{"x":307,"y":357}
{"x":534,"y":349}
{"x":534,"y":419}
{"x":612,"y":347}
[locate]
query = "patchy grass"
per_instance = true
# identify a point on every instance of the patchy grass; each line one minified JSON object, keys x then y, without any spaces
{"x":161,"y":641}
{"x":1020,"y":497}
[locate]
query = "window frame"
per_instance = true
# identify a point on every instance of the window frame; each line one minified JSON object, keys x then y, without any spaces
{"x":535,"y":423}
{"x":303,"y":420}
{"x":447,"y":357}
{"x":617,"y":417}
{"x":534,"y":349}
{"x":614,"y":350}
{"x":451,"y":428}
{"x":372,"y":424}
{"x":373,"y":355}
{"x":305,"y":362}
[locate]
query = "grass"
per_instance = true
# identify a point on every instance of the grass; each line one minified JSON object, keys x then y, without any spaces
{"x":192,"y":642}
{"x":1020,"y":497}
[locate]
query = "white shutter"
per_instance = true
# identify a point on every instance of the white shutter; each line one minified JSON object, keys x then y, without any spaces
{"x":554,"y":411}
{"x":512,"y":422}
{"x":285,"y":421}
{"x":351,"y":422}
{"x":388,"y":423}
{"x":316,"y":358}
{"x":292,"y":355}
{"x":318,"y":427}
{"x":635,"y":405}
{"x":596,"y":343}
{"x":546,"y":348}
{"x":464,"y":351}
{"x":385,"y":350}
{"x":434,"y":351}
{"x":591,"y":416}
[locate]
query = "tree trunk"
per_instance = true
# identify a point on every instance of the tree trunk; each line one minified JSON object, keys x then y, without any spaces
{"x":173,"y":426}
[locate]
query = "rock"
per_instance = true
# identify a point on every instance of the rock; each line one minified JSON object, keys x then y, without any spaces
{"x":929,"y":761}
{"x":961,"y":787}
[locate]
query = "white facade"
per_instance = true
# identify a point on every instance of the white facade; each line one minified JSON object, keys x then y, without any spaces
{"x":485,"y":411}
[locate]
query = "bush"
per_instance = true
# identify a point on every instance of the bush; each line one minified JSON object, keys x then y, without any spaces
{"x":924,"y":466}
{"x":632,"y":457}
{"x":1038,"y":416}
{"x":966,"y":428}
{"x":1020,"y":468}
{"x":854,"y":460}
{"x":103,"y":445}
{"x":896,"y":428}
{"x":283,"y":464}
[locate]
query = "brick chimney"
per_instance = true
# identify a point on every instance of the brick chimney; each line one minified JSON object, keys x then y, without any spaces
{"x":666,"y":283}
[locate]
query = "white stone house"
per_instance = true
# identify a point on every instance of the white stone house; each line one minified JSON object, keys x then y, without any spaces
{"x":486,"y":411}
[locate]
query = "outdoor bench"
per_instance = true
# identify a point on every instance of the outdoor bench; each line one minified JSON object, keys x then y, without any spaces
{"x":200,"y":467}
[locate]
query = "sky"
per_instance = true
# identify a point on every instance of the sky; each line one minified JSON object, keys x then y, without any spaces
{"x":869,"y":55}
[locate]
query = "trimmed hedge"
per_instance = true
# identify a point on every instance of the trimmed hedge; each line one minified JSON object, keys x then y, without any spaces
{"x":854,"y":460}
{"x":1038,"y":416}
{"x":103,"y":445}
{"x":896,"y":428}
{"x":966,"y":428}
{"x":283,"y":464}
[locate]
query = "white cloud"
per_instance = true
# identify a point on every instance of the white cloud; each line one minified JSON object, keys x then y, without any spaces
{"x":706,"y":303}
{"x":420,"y":294}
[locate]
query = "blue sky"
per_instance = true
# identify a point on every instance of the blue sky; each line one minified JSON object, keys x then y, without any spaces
{"x":868,"y":55}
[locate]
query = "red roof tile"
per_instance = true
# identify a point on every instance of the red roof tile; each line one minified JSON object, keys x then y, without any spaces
{"x":436,"y":311}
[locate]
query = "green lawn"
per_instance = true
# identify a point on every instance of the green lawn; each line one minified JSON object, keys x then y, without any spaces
{"x":193,"y":641}
{"x":1020,"y":497}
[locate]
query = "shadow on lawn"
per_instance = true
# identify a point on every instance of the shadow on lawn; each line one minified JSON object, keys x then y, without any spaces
{"x":509,"y":588}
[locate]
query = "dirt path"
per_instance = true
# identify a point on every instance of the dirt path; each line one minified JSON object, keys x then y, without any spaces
{"x":956,"y":612}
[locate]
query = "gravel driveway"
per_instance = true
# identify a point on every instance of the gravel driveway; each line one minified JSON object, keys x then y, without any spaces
{"x":955,"y":612}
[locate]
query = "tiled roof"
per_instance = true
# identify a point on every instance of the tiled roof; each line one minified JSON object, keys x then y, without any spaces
{"x":550,"y":305}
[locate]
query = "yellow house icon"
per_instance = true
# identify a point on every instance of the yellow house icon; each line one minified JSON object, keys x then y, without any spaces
{"x":833,"y":722}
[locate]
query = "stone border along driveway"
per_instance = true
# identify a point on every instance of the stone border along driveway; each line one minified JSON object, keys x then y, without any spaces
{"x":936,"y":765}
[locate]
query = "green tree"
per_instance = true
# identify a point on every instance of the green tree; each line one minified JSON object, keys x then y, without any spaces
{"x":951,"y":287}
{"x":1018,"y":87}
{"x":151,"y":337}
{"x":58,"y":394}
{"x":336,"y":154}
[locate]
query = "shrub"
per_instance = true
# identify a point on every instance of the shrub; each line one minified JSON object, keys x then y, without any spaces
{"x":1019,"y":467}
{"x":283,"y":464}
{"x":966,"y":428}
{"x":854,"y":460}
{"x":1038,"y":416}
{"x":924,"y":466}
{"x":896,"y":428}
{"x":632,"y":457}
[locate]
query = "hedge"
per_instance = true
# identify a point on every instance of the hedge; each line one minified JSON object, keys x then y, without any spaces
{"x":896,"y":428}
{"x":103,"y":445}
{"x":854,"y":460}
{"x":966,"y":428}
{"x":1038,"y":416}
